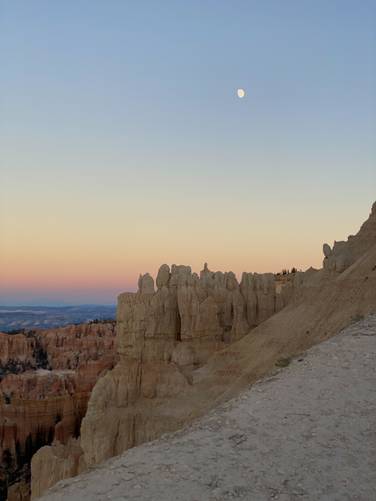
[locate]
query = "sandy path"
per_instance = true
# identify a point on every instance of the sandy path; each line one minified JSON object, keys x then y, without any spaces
{"x":306,"y":433}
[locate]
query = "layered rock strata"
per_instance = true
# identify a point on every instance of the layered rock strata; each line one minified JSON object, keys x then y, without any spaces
{"x":42,"y":401}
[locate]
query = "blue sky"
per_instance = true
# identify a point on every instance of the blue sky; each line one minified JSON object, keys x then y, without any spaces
{"x":119,"y":119}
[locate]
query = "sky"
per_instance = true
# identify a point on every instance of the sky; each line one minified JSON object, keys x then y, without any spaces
{"x":123,"y":144}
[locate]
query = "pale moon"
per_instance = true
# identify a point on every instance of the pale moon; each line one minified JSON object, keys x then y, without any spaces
{"x":240,"y":93}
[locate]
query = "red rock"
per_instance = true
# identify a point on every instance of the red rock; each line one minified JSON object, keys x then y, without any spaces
{"x":48,"y":400}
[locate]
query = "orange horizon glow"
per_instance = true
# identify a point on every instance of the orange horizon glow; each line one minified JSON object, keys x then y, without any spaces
{"x":50,"y":267}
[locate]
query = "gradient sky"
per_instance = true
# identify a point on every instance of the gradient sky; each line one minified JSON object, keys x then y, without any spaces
{"x":123,"y":144}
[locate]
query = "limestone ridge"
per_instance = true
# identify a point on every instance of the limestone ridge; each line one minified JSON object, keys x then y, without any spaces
{"x":163,"y":336}
{"x":204,"y":311}
{"x":345,"y":253}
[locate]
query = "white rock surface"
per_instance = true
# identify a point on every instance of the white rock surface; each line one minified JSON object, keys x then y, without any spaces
{"x":306,"y":433}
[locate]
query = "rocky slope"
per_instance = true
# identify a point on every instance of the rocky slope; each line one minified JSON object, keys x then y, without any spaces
{"x":345,"y":253}
{"x":46,"y":380}
{"x":196,"y":341}
{"x":305,"y":433}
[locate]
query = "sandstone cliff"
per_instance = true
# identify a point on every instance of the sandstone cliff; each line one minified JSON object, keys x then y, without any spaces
{"x":47,"y":377}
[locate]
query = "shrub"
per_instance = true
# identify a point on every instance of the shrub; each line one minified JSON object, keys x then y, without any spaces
{"x":283,"y":362}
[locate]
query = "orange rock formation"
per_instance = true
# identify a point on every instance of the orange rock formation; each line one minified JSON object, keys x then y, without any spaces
{"x":47,"y":377}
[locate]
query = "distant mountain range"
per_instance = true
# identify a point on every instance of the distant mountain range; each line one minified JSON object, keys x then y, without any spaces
{"x":44,"y":317}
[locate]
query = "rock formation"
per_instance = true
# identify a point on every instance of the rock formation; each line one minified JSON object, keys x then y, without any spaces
{"x":164,"y":335}
{"x":17,"y":353}
{"x":197,"y":340}
{"x":48,"y":468}
{"x":47,"y":377}
{"x":19,"y":491}
{"x":344,"y":254}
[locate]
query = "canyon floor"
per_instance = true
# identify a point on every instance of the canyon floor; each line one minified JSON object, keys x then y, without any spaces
{"x":306,"y":432}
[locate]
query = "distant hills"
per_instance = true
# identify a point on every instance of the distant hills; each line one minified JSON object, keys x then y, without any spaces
{"x":14,"y":318}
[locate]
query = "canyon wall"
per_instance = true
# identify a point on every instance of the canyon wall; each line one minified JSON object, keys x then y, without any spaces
{"x":46,"y":379}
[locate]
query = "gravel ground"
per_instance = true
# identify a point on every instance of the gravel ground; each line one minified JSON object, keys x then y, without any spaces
{"x":307,"y":432}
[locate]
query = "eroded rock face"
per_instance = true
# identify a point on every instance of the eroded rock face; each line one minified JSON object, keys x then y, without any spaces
{"x":19,"y":491}
{"x":55,"y":463}
{"x":17,"y":353}
{"x":345,"y":253}
{"x":45,"y":398}
{"x":164,"y":333}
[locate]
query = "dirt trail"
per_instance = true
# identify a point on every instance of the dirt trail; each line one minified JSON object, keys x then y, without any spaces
{"x":306,"y":433}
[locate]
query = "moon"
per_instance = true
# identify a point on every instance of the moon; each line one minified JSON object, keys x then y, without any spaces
{"x":240,"y":93}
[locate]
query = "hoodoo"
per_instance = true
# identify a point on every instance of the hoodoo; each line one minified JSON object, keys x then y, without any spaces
{"x":46,"y":377}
